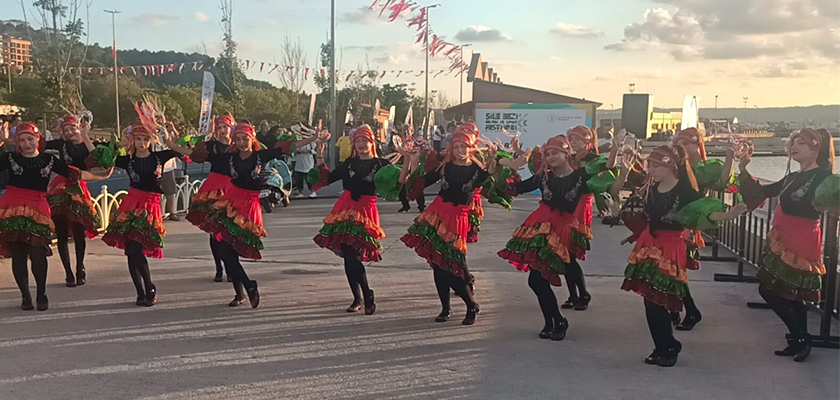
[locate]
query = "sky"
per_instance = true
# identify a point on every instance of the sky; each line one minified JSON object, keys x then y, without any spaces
{"x":774,"y":52}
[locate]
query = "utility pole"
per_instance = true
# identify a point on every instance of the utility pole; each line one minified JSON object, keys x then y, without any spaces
{"x":116,"y":71}
{"x":333,"y":102}
{"x":745,"y":109}
{"x":461,"y":75}
{"x":426,"y":118}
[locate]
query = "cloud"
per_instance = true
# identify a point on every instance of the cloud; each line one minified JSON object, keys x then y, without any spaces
{"x":575,"y":31}
{"x":200,"y":16}
{"x":364,"y":15}
{"x":555,"y":58}
{"x":367,"y":48}
{"x":155,"y":20}
{"x":479,"y":33}
{"x":401,"y":53}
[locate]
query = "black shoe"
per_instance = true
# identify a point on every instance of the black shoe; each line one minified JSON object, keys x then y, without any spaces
{"x":545,"y":333}
{"x":26,"y":304}
{"x":81,"y":276}
{"x":789,"y":351}
{"x":421,"y":208}
{"x":404,"y":209}
{"x":653,"y":358}
{"x":689,"y":322}
{"x":669,"y":356}
{"x":675,"y":318}
{"x":472,"y":313}
{"x":804,"y":350}
{"x":254,"y":295}
{"x":583,"y":302}
{"x":151,"y":296}
{"x":560,"y":329}
{"x":370,"y":304}
{"x":229,"y":280}
{"x":218,"y":278}
{"x":236,"y":302}
{"x":355,"y":307}
{"x":70,"y":280}
{"x":141,"y":300}
{"x":44,"y":303}
{"x":443,"y":316}
{"x":570,"y":303}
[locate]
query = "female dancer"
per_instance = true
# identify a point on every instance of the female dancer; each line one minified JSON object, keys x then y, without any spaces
{"x":26,"y":228}
{"x":710,"y":175}
{"x":73,"y":214}
{"x":549,"y":242}
{"x":790,"y":275}
{"x":662,"y":254}
{"x":584,"y":143}
{"x":214,"y":187}
{"x":351,"y":230}
{"x":137,"y":226}
{"x":237,"y":223}
{"x":439,"y":234}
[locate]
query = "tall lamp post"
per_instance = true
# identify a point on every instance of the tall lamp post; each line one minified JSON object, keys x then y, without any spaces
{"x":333,"y":105}
{"x":116,"y":71}
{"x":461,"y":75}
{"x":745,"y":109}
{"x":426,"y":118}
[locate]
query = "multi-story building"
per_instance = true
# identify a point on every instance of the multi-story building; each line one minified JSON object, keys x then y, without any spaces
{"x":15,"y":50}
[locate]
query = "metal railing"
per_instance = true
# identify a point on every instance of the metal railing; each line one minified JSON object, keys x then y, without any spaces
{"x":746,"y":238}
{"x":107,"y":203}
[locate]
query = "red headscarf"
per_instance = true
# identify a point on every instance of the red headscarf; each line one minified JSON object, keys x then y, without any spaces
{"x":692,"y":135}
{"x":587,"y":134}
{"x":28,"y":128}
{"x":225,"y":119}
{"x":812,"y":138}
{"x":559,"y":142}
{"x":69,"y":120}
{"x":139,"y":130}
{"x":467,"y":133}
{"x":365,"y":132}
{"x":247,"y":129}
{"x":674,"y":158}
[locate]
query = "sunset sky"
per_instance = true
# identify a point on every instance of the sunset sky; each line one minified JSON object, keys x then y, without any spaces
{"x":776,"y":52}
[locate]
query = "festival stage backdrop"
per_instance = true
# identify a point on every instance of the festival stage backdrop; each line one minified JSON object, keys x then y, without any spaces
{"x":536,"y":122}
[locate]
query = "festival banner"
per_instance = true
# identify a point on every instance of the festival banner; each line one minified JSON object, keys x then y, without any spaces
{"x":208,"y":86}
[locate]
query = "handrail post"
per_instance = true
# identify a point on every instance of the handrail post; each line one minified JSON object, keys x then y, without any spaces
{"x":106,"y":210}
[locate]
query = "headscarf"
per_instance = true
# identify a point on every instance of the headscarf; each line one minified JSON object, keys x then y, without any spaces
{"x":69,"y":120}
{"x":560,"y":143}
{"x":247,"y":129}
{"x":673,"y":158}
{"x":692,"y":135}
{"x":365,"y":132}
{"x":587,"y":134}
{"x":815,"y":139}
{"x":225,"y":119}
{"x":28,"y":128}
{"x":467,"y":133}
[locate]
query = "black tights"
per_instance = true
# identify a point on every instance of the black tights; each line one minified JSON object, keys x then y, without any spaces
{"x":575,"y":280}
{"x":21,"y":251}
{"x":356,"y":275}
{"x":793,"y":313}
{"x":234,"y":269}
{"x":138,"y":267}
{"x":62,"y":231}
{"x":217,"y":255}
{"x":545,"y":296}
{"x":690,"y":308}
{"x":445,"y":280}
{"x":421,"y":201}
{"x":659,"y":323}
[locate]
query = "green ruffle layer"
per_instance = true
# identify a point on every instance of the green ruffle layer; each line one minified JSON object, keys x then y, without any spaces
{"x":25,"y":224}
{"x":539,"y":245}
{"x":648,"y":272}
{"x":349,"y":228}
{"x":445,"y":249}
{"x":135,"y":223}
{"x":237,"y":231}
{"x":695,"y":215}
{"x":791,"y":277}
{"x":73,"y":207}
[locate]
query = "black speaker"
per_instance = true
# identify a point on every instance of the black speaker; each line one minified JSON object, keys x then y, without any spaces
{"x":635,"y":114}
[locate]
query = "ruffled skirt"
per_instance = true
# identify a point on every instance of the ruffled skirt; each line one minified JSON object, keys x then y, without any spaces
{"x":239,"y":221}
{"x":476,"y":215}
{"x":583,"y":213}
{"x":73,"y":203}
{"x":202,"y":212}
{"x":545,"y":242}
{"x":657,"y":267}
{"x":139,"y":219}
{"x":353,"y":223}
{"x":793,"y":262}
{"x":24,"y":217}
{"x":439,"y":235}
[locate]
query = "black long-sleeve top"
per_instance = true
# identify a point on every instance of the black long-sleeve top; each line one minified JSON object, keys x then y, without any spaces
{"x":357,"y":175}
{"x":662,"y":207}
{"x":587,"y":158}
{"x":145,"y":173}
{"x":32,"y":173}
{"x":458,"y":182}
{"x":559,"y":193}
{"x":796,"y":192}
{"x":246,"y":173}
{"x":212,"y":148}
{"x":72,"y":154}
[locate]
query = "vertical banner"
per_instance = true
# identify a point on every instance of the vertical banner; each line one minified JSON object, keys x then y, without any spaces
{"x":409,"y":116}
{"x":431,"y":126}
{"x":311,"y":109}
{"x":690,"y":112}
{"x":208,"y":86}
{"x":376,"y":106}
{"x":392,"y":115}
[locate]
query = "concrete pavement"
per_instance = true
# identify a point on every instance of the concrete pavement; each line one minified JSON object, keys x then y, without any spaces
{"x":93,"y":343}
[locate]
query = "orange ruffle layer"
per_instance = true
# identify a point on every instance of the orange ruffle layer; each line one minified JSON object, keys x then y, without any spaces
{"x":207,"y":195}
{"x":157,"y":224}
{"x":555,"y":242}
{"x":24,"y":211}
{"x":448,"y":236}
{"x":666,"y":266}
{"x":239,"y":219}
{"x":355,"y":217}
{"x":791,"y":258}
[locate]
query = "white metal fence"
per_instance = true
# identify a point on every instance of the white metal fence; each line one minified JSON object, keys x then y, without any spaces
{"x":107,"y":203}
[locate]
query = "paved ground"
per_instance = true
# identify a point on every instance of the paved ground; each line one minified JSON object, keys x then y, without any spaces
{"x":94,"y":343}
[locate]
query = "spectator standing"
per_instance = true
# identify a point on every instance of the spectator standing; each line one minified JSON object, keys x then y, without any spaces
{"x":42,"y":126}
{"x":304,"y":162}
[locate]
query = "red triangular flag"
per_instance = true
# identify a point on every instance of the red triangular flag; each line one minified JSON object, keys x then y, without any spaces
{"x":262,"y":64}
{"x":306,"y":73}
{"x":383,"y":74}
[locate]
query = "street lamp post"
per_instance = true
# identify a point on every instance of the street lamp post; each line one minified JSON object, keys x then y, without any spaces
{"x":333,"y":122}
{"x":426,"y":119}
{"x":715,"y":123}
{"x":461,"y":75}
{"x":116,"y":71}
{"x":745,"y":109}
